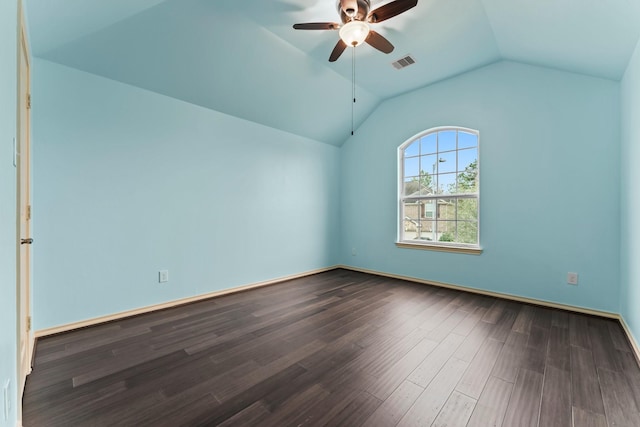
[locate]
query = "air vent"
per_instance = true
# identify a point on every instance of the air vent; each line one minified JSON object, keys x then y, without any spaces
{"x":403,"y":62}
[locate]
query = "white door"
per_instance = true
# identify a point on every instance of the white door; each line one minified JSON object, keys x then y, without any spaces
{"x":24,"y":217}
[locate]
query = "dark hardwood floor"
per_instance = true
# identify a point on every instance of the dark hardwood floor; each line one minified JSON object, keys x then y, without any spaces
{"x":344,"y":349}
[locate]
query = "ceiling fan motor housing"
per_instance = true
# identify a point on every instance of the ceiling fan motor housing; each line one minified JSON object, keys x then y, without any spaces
{"x":353,"y":10}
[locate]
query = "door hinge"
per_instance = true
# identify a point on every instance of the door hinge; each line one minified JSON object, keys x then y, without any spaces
{"x":28,"y":212}
{"x":29,"y":101}
{"x":28,"y":323}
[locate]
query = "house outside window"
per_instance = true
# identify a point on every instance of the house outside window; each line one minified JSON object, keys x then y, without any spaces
{"x":439,"y":190}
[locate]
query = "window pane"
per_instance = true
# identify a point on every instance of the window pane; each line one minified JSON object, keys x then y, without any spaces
{"x":468,"y":209}
{"x":447,"y":140}
{"x":427,"y":184}
{"x":468,"y":171}
{"x":412,"y":211}
{"x":446,"y":231}
{"x":467,"y":157}
{"x":414,"y":226}
{"x":468,"y":232}
{"x":447,"y":183}
{"x":466,"y":140}
{"x":429,"y":144}
{"x":411,"y":186}
{"x":447,"y":209}
{"x":429,"y":209}
{"x":412,"y":149}
{"x":447,"y":162}
{"x":429,"y":164}
{"x":427,"y":230}
{"x":412,"y":166}
{"x":409,"y":232}
{"x":418,"y":230}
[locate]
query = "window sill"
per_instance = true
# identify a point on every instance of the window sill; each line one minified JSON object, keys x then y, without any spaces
{"x":428,"y":247}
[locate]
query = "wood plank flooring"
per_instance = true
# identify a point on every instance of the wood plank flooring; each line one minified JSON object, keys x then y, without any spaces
{"x":340,"y":349}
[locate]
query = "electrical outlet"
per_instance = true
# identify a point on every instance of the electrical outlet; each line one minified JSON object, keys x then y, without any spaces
{"x":163,"y":276}
{"x":572,"y":278}
{"x":354,"y":252}
{"x":6,"y":399}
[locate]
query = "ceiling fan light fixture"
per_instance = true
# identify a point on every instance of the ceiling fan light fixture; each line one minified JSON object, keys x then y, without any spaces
{"x":354,"y":33}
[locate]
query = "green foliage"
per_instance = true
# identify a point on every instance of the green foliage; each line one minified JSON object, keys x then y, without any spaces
{"x":468,"y":179}
{"x":447,"y":237}
{"x":468,"y":208}
{"x":426,"y":181}
{"x":468,"y":232}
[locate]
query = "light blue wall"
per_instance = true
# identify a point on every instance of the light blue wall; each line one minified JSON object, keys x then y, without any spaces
{"x":8,"y":315}
{"x":550,"y":202}
{"x":630,"y":195}
{"x":128,"y":182}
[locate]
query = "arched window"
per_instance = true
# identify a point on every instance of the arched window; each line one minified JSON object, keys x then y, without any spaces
{"x":440,"y":189}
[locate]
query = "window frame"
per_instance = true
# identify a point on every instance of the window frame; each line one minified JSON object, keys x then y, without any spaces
{"x":469,"y":248}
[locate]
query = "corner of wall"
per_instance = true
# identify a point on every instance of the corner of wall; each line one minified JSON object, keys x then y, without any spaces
{"x":630,"y":199}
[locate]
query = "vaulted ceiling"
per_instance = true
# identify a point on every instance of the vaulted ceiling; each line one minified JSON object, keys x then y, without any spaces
{"x":243,"y":58}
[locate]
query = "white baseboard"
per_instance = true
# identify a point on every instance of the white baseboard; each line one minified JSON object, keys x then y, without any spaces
{"x":544,"y":303}
{"x":148,"y":309}
{"x":607,"y":314}
{"x":632,"y":339}
{"x":95,"y":321}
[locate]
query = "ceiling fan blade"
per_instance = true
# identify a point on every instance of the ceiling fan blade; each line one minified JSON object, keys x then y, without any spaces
{"x":390,"y":10}
{"x":317,"y":26}
{"x":379,"y":42}
{"x":337,"y":51}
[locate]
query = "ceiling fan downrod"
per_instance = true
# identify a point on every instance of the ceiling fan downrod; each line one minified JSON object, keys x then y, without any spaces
{"x":349,"y":7}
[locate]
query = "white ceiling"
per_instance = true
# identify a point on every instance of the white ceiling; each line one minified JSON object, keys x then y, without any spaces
{"x":243,"y":58}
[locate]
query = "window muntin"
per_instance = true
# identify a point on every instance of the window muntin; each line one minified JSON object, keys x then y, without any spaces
{"x":439,"y":188}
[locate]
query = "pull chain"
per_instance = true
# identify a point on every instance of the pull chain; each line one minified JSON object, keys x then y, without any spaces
{"x":353,"y":86}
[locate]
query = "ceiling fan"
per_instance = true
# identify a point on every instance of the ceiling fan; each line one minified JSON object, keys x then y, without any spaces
{"x":356,"y":17}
